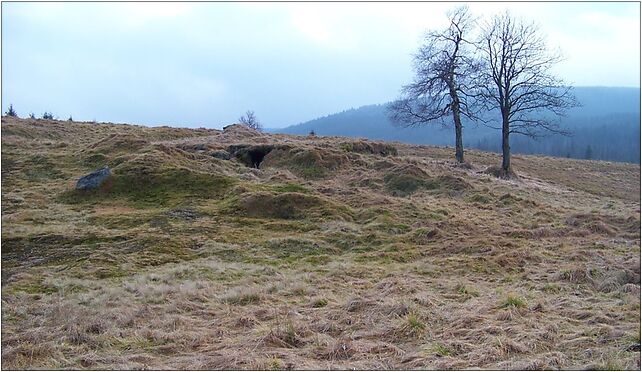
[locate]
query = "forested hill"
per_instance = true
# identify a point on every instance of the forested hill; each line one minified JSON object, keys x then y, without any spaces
{"x":605,"y":127}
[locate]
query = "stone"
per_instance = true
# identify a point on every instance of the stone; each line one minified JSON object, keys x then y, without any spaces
{"x":93,"y":180}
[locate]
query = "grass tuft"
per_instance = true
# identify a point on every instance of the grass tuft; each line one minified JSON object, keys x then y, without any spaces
{"x":513,"y":301}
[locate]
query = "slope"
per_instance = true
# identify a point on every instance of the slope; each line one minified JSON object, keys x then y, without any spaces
{"x":608,"y":122}
{"x":309,"y":253}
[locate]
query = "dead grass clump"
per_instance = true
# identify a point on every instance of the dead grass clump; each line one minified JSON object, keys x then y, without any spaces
{"x":288,"y":205}
{"x":423,"y":235}
{"x":406,"y":179}
{"x":507,"y":347}
{"x":239,"y":132}
{"x":298,"y":247}
{"x":500,"y":173}
{"x":364,"y":147}
{"x":117,"y":143}
{"x":106,"y":150}
{"x":605,"y":224}
{"x":578,"y":275}
{"x":518,"y":258}
{"x":413,"y":325}
{"x":286,"y":336}
{"x":309,"y":163}
{"x":343,"y":349}
{"x":242,"y":297}
{"x":615,"y":280}
{"x":319,"y":302}
{"x":358,"y":304}
{"x":395,"y":309}
{"x":513,"y":301}
{"x":509,"y":199}
{"x":452,"y":185}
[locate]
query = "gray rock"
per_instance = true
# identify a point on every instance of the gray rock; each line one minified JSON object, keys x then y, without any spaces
{"x":93,"y":180}
{"x":185,"y":214}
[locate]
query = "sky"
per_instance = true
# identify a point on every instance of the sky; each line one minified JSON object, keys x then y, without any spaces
{"x":205,"y":64}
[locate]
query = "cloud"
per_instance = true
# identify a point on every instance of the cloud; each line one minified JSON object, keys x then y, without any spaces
{"x":288,"y":61}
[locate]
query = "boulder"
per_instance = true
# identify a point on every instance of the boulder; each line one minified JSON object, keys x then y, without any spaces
{"x":93,"y":180}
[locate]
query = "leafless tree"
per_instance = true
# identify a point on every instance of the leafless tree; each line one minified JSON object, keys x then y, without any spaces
{"x":444,"y":68}
{"x":250,"y":120}
{"x":516,"y":81}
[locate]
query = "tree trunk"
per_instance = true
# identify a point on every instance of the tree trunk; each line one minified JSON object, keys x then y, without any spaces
{"x":459,"y":145}
{"x":506,"y":170}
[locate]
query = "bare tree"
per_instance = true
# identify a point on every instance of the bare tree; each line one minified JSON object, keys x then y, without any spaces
{"x":250,"y":120}
{"x":443,"y":72}
{"x":517,"y":82}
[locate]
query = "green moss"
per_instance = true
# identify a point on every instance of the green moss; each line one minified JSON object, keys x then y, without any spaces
{"x":405,"y":184}
{"x":317,"y":260}
{"x":389,"y":254}
{"x":33,"y":288}
{"x":296,"y":248}
{"x":369,"y":148}
{"x":311,"y":163}
{"x":141,"y":190}
{"x":478,"y":198}
{"x":291,"y":187}
{"x":41,"y":168}
{"x":289,"y":205}
{"x":109,"y":272}
{"x":94,"y":160}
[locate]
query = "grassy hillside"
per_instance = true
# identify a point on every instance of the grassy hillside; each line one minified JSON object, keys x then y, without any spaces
{"x":605,"y":127}
{"x":334,"y":253}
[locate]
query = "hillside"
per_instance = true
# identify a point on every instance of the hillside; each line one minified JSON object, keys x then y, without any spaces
{"x":334,"y":253}
{"x":608,"y":122}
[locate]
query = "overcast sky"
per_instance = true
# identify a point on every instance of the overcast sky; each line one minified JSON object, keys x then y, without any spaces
{"x":204,"y":64}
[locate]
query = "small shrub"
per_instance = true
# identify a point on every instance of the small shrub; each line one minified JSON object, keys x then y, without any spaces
{"x":468,"y":292}
{"x":11,"y":112}
{"x":414,"y":325}
{"x":513,"y":301}
{"x":319,"y":303}
{"x":442,"y":350}
{"x":275,"y":364}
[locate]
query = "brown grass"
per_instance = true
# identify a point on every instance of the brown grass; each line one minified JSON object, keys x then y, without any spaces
{"x":334,"y":254}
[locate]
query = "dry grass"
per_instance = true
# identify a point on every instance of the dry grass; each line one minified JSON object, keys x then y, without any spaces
{"x":334,"y":254}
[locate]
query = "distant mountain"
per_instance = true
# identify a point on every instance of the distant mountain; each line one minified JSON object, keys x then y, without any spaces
{"x":605,"y":127}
